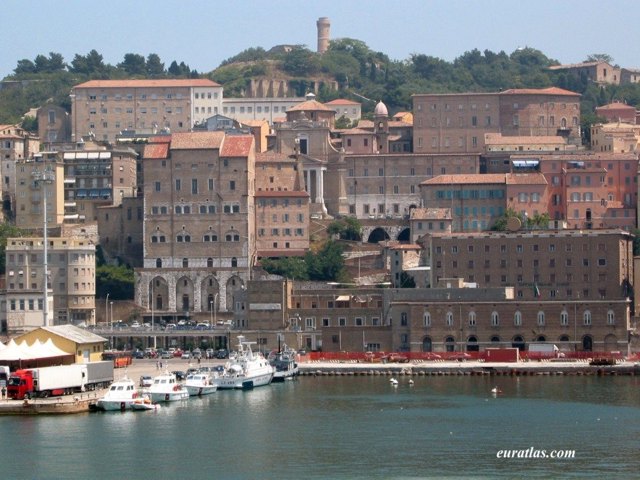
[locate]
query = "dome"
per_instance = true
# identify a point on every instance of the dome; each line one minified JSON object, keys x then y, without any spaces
{"x":381,"y":110}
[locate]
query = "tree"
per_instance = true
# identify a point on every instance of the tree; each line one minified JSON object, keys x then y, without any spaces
{"x":117,"y":281}
{"x":155,"y":68}
{"x":24,"y":66}
{"x":30,"y":124}
{"x":133,"y":64}
{"x":600,"y":57}
{"x":406,"y":281}
{"x":299,"y":61}
{"x":91,"y":64}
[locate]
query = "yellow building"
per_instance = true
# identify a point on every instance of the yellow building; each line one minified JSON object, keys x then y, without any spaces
{"x":86,"y":346}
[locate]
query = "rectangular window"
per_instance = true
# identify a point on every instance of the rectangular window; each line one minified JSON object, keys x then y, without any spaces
{"x":194,"y":186}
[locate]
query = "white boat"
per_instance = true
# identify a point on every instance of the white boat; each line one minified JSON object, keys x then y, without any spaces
{"x":199,"y":383}
{"x":144,"y":403}
{"x":247,"y":370}
{"x":165,"y":388}
{"x":284,"y":364}
{"x":121,"y":394}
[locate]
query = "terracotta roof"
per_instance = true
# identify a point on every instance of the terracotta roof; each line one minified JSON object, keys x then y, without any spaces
{"x":539,"y":91}
{"x":525,"y":179}
{"x":466,"y":178}
{"x":616,"y":106}
{"x":310,"y":105}
{"x":430,"y":214}
{"x":156,"y":150}
{"x":237,"y":146}
{"x":406,"y":246}
{"x":342,"y":101}
{"x":160,"y":139}
{"x":196,"y":140}
{"x":196,"y":82}
{"x":281,"y":194}
{"x":254,"y":123}
{"x":355,"y":131}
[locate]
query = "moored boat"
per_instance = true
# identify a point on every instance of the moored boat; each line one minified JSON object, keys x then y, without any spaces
{"x":247,"y":370}
{"x":199,"y":383}
{"x":165,"y":388}
{"x":144,"y":403}
{"x":284,"y":364}
{"x":121,"y":394}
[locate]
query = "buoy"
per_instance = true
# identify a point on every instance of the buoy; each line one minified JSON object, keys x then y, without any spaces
{"x":496,"y":390}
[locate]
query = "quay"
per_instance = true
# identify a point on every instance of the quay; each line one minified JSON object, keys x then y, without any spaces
{"x":77,"y":403}
{"x":332,"y":368}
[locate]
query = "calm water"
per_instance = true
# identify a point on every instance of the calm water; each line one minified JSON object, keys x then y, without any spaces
{"x":346,"y":427}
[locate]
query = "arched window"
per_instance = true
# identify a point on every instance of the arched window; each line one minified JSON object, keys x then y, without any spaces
{"x":426,"y":319}
{"x":209,"y":262}
{"x":541,"y":318}
{"x":564,"y":318}
{"x":234,"y":262}
{"x":586,"y":317}
{"x":185,"y":263}
{"x":495,"y":319}
{"x":449,"y":319}
{"x":158,"y":263}
{"x":517,"y":319}
{"x":611,"y":317}
{"x":450,"y":344}
{"x":472,"y":319}
{"x":495,"y":339}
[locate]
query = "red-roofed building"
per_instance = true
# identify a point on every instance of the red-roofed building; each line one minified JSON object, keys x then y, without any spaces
{"x":107,"y":107}
{"x":618,"y":112}
{"x":458,"y":122}
{"x":346,"y":108}
{"x":199,"y":221}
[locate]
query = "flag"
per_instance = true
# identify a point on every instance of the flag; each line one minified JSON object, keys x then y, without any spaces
{"x":536,"y":290}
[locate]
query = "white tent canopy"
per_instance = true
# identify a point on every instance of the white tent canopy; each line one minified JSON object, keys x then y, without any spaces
{"x":38,"y":349}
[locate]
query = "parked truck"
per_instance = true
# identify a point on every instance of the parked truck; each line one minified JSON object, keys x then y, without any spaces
{"x":4,"y":376}
{"x":60,"y":380}
{"x":544,"y":350}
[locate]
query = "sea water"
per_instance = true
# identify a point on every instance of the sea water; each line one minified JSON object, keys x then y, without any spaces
{"x":348,"y":427}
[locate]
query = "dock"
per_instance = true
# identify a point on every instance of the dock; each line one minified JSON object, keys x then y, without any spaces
{"x":77,"y":403}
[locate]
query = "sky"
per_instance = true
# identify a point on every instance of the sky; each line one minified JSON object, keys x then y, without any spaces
{"x":203,"y":33}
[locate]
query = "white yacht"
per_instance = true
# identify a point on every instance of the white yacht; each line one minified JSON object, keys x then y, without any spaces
{"x":199,"y":383}
{"x":165,"y":388}
{"x":121,"y":394}
{"x":246,"y":370}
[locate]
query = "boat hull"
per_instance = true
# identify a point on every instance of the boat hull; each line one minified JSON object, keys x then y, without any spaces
{"x":114,"y":405}
{"x":199,"y":390}
{"x":282,"y":376}
{"x":243,"y":383}
{"x":172,"y":396}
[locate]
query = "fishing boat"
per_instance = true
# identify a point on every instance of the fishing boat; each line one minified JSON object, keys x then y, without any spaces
{"x":247,"y":370}
{"x":121,"y":394}
{"x":199,"y":383}
{"x":165,"y":388}
{"x":284,"y":364}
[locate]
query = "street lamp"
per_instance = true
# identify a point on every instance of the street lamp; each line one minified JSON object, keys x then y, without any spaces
{"x":47,"y":176}
{"x":215,"y":313}
{"x":106,"y":309}
{"x":111,"y":315}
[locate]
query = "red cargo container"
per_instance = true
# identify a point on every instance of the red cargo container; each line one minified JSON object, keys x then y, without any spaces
{"x":502,"y":355}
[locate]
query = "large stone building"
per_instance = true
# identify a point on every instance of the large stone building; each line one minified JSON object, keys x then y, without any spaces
{"x":458,"y":122}
{"x":104,"y":108}
{"x":599,"y":72}
{"x":120,"y":228}
{"x":71,"y":282}
{"x":16,"y":144}
{"x":199,"y":221}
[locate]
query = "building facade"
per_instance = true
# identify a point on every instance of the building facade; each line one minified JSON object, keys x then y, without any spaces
{"x":103,"y":108}
{"x":199,"y":221}
{"x":71,"y":282}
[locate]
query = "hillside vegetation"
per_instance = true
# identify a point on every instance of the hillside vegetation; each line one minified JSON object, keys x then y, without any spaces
{"x":360,"y":73}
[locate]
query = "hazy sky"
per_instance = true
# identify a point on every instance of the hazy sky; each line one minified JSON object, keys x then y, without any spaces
{"x":202,"y":33}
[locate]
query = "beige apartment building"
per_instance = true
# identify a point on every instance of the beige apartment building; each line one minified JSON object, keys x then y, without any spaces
{"x":16,"y":144}
{"x":31,"y":191}
{"x":458,"y":122}
{"x":199,"y":221}
{"x":95,"y":178}
{"x":70,"y":287}
{"x":104,"y":108}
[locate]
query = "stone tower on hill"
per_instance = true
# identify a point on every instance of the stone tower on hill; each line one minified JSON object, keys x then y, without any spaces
{"x":324,"y":27}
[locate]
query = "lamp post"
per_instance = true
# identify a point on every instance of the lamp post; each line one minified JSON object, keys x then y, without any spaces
{"x":151,"y":301}
{"x":106,"y":309}
{"x":44,"y":177}
{"x":215,"y":316}
{"x":111,"y":322}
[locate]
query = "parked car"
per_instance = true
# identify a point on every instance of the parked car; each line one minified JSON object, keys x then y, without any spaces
{"x":196,"y":353}
{"x":185,"y":356}
{"x":222,"y":353}
{"x":166,"y":355}
{"x":177,"y":353}
{"x":146,"y":381}
{"x":139,"y":354}
{"x":210,"y":353}
{"x":180,"y":375}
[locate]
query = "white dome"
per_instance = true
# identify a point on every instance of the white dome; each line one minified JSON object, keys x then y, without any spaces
{"x":381,"y":110}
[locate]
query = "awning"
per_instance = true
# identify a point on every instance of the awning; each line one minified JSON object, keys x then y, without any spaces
{"x":343,"y":298}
